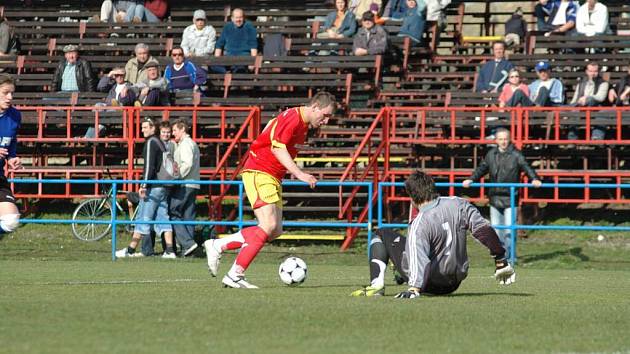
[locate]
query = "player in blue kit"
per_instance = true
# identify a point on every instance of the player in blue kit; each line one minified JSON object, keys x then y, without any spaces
{"x":10,"y":119}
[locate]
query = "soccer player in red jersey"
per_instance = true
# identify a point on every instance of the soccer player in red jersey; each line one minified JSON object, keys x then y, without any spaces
{"x":270,"y":157}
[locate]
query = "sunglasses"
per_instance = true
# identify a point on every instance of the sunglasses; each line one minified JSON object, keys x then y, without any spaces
{"x":177,"y":55}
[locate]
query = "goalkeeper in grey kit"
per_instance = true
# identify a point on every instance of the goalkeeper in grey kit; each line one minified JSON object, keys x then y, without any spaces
{"x":432,"y":259}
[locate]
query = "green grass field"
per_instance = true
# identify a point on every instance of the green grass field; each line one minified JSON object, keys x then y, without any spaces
{"x":60,"y":295}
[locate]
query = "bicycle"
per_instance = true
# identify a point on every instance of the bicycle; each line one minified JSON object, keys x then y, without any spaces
{"x":100,"y":209}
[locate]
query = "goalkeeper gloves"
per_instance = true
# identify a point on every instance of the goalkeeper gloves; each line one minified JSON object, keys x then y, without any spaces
{"x":411,"y":293}
{"x":504,"y":273}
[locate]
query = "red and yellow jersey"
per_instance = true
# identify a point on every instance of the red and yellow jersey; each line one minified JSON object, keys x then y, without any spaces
{"x":287,"y":130}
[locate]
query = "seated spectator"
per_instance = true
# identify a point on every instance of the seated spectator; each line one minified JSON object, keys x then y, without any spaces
{"x":546,"y":91}
{"x":414,"y":21}
{"x":515,"y":29}
{"x":371,"y":38}
{"x":556,"y":16}
{"x":73,"y":74}
{"x":119,"y":92}
{"x":494,"y":73}
{"x":435,"y":12}
{"x":8,"y":41}
{"x":395,"y":10}
{"x":238,"y":38}
{"x":619,"y":95}
{"x":359,"y":7}
{"x":135,"y":69}
{"x":117,"y":11}
{"x":340,"y":23}
{"x":183,"y":74}
{"x":509,"y":95}
{"x":153,"y":90}
{"x":592,"y":19}
{"x":591,"y":90}
{"x":148,"y":10}
{"x":198,"y":39}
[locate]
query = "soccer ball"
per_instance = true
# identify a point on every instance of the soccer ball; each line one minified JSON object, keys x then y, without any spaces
{"x":292,"y":271}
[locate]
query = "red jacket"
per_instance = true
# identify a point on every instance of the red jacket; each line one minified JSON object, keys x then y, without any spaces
{"x":157,"y":7}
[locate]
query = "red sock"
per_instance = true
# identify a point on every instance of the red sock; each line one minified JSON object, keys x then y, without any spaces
{"x":255,"y":239}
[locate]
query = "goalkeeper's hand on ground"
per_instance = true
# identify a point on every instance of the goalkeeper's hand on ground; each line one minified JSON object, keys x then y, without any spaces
{"x":504,"y":273}
{"x":411,"y":293}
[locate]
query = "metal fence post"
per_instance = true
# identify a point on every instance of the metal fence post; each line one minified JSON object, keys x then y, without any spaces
{"x":370,"y":216}
{"x":513,"y":227}
{"x":114,"y":223}
{"x":240,"y":206}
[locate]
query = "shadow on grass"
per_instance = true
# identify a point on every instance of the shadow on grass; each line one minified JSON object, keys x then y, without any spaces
{"x":574,"y":252}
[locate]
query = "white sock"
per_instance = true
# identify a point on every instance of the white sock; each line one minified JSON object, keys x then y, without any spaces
{"x":221,"y":243}
{"x":379,"y":281}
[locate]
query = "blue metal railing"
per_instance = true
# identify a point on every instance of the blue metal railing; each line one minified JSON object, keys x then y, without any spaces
{"x":239,"y":222}
{"x":514,"y":226}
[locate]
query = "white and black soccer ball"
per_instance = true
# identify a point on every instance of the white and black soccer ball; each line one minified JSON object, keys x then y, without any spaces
{"x":292,"y":271}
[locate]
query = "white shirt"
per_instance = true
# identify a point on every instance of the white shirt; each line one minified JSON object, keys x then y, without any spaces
{"x":119,"y":89}
{"x":590,"y":23}
{"x":561,"y":15}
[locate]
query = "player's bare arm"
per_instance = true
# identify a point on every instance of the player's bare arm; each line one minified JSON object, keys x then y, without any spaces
{"x":285,"y":159}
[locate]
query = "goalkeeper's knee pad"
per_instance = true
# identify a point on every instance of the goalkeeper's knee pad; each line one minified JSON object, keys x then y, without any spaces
{"x":9,"y":222}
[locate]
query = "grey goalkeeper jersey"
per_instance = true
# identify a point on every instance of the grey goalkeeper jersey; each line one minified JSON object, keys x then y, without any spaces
{"x":436,"y":242}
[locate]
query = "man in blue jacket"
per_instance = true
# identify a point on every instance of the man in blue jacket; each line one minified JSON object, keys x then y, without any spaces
{"x":494,"y":73}
{"x":238,"y":38}
{"x":183,"y":75}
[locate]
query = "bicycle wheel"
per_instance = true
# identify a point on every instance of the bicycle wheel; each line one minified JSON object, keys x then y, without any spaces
{"x":91,"y":209}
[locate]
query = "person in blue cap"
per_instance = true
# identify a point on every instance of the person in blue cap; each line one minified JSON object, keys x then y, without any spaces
{"x":544,"y":92}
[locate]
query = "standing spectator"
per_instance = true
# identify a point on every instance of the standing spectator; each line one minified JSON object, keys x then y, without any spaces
{"x":340,"y":23}
{"x":152,"y":91}
{"x":503,"y":164}
{"x":153,"y":197}
{"x":135,"y":67}
{"x":371,"y":38}
{"x":10,"y":119}
{"x":591,"y":91}
{"x":515,"y":29}
{"x":592,"y":19}
{"x":514,"y":84}
{"x":8,"y":41}
{"x":395,"y":10}
{"x":198,"y":39}
{"x":238,"y":38}
{"x":494,"y":73}
{"x":73,"y":74}
{"x":414,"y":21}
{"x":359,"y":7}
{"x":183,"y":74}
{"x":619,"y":95}
{"x":183,"y":197}
{"x":556,"y":16}
{"x":119,"y":91}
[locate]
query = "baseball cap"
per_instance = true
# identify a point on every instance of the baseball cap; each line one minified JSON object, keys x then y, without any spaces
{"x":542,"y":65}
{"x":199,"y":14}
{"x":368,"y":16}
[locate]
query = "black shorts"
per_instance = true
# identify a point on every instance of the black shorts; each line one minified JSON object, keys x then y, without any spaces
{"x":6,"y":194}
{"x":395,"y":245}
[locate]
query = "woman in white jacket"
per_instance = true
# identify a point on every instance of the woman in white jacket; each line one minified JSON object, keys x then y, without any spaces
{"x":198,"y":39}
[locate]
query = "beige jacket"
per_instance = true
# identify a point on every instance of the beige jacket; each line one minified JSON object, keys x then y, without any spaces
{"x":187,"y":158}
{"x":132,"y":74}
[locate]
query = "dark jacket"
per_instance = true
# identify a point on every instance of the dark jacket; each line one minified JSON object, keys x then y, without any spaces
{"x":493,"y":75}
{"x":375,"y":43}
{"x":107,"y":84}
{"x":503,"y":167}
{"x":516,"y":25}
{"x":152,"y":155}
{"x":85,"y":78}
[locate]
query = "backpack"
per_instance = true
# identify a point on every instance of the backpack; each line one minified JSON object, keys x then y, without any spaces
{"x":168,"y":170}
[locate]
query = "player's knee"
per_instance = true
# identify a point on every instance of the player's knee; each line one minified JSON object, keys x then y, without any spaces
{"x":9,"y":222}
{"x":377,"y":248}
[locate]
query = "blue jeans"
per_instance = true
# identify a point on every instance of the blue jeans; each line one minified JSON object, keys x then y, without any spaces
{"x":153,"y":208}
{"x":503,"y":217}
{"x":141,"y":12}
